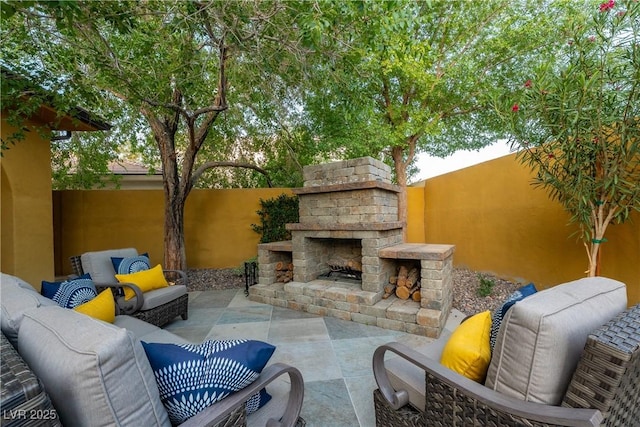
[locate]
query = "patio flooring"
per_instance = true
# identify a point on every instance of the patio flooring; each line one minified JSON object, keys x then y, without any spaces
{"x":333,"y":355}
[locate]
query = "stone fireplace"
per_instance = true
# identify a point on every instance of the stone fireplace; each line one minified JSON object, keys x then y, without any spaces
{"x":349,"y":218}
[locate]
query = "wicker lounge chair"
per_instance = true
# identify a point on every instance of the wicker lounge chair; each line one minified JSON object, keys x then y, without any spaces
{"x":604,"y":389}
{"x":157,"y":307}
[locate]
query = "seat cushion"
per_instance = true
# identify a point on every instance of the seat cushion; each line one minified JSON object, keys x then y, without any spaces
{"x":16,"y":298}
{"x":95,"y":373}
{"x":98,"y":264}
{"x":404,"y":375}
{"x":157,"y":297}
{"x":542,"y":337}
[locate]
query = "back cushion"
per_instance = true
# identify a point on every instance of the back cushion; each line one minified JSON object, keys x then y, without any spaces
{"x":95,"y":373}
{"x":17,"y":297}
{"x":98,"y":264}
{"x":542,"y":337}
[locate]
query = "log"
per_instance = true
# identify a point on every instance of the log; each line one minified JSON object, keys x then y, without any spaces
{"x":402,"y":276}
{"x":393,"y":280}
{"x":402,"y":292}
{"x":354,"y":265}
{"x":416,"y":296}
{"x":388,"y":291}
{"x":280,"y":266}
{"x":412,"y":277}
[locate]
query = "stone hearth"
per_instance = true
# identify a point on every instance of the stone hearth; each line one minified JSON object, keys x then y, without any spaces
{"x":350,"y":209}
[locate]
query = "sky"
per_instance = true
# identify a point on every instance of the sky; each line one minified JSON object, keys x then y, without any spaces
{"x":434,"y":166}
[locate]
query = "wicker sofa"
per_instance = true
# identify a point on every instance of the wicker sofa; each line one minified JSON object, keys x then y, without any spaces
{"x":603,"y":388}
{"x":63,"y":367}
{"x":157,"y":307}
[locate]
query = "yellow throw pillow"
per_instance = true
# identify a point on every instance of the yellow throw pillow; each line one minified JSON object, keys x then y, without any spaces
{"x":102,"y":307}
{"x":468,"y":351}
{"x":146,"y":280}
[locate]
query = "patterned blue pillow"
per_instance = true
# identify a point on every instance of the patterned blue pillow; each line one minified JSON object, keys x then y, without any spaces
{"x":70,"y":293}
{"x":191,"y":377}
{"x":500,"y":312}
{"x":131,"y":265}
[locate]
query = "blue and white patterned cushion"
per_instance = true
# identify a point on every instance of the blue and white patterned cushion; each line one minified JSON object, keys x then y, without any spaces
{"x":70,"y":293}
{"x":192,"y":377}
{"x":500,"y":312}
{"x":131,"y":265}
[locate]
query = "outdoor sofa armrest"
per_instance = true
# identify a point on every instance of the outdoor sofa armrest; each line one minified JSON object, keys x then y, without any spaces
{"x":133,"y":287}
{"x":183,"y":276}
{"x":219,"y":411}
{"x":468,"y":392}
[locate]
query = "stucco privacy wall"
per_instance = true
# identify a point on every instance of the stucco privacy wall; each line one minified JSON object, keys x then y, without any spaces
{"x":27,"y":235}
{"x":501,"y":224}
{"x":218,"y":230}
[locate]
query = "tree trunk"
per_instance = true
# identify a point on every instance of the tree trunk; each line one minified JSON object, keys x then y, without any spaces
{"x":401,"y":176}
{"x":174,"y":250}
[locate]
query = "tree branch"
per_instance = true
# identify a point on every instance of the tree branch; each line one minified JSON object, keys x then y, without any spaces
{"x":210,"y":165}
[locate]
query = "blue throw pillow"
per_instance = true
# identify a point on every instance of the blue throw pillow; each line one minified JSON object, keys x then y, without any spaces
{"x":70,"y":293}
{"x":191,"y":377}
{"x":131,"y":264}
{"x":500,"y":312}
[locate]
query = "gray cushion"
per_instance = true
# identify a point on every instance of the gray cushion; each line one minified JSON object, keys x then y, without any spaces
{"x":404,"y":375}
{"x":157,"y":297}
{"x":542,"y":337}
{"x":98,"y":264}
{"x":17,"y":297}
{"x":96,"y":374}
{"x":147,"y":332}
{"x":154,"y":298}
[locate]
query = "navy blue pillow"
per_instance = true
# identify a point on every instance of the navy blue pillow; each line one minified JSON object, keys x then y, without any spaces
{"x":500,"y":312}
{"x":191,"y":377}
{"x":131,"y":264}
{"x":70,"y":293}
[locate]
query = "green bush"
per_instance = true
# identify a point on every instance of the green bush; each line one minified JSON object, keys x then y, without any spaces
{"x":486,"y":286}
{"x":274,"y":215}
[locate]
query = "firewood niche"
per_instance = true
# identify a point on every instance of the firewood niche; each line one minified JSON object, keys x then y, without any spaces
{"x":405,"y":285}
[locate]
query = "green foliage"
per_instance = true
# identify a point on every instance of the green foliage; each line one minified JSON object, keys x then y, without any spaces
{"x":401,"y":77}
{"x":575,"y":122}
{"x":274,"y":215}
{"x":486,"y":286}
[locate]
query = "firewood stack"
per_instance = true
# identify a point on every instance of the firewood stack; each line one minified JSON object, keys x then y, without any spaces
{"x":284,"y":272}
{"x":405,"y":285}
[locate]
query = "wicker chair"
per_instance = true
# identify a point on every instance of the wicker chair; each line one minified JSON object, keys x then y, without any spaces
{"x":157,"y":307}
{"x":604,"y":390}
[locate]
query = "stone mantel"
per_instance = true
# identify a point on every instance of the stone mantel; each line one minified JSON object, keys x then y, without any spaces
{"x":349,"y":186}
{"x":370,"y":226}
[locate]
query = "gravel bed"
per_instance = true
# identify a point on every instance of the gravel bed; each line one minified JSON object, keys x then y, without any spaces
{"x":465,"y":286}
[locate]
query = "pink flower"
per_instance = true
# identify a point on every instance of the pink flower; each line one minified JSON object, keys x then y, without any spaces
{"x":607,"y":6}
{"x":592,"y":38}
{"x":527,"y":83}
{"x":515,"y":108}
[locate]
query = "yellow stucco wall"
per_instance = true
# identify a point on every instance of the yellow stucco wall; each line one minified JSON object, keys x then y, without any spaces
{"x":218,"y":230}
{"x":27,"y":234}
{"x":501,"y":224}
{"x":415,"y":215}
